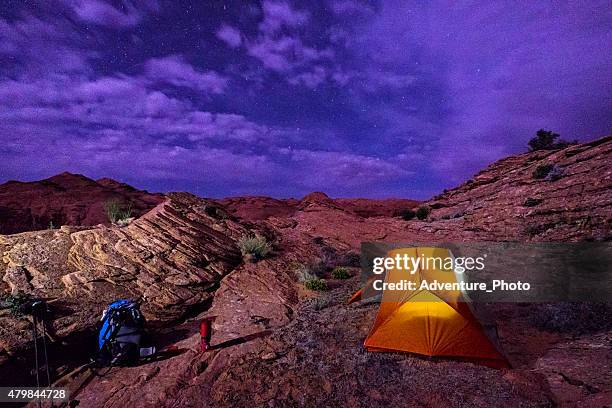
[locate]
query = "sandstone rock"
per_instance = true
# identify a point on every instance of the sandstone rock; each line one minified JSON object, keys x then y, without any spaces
{"x":389,"y":207}
{"x":259,"y":208}
{"x":262,"y":208}
{"x":171,"y":259}
{"x":577,"y":206}
{"x":574,"y":370}
{"x":273,"y":347}
{"x":65,"y":199}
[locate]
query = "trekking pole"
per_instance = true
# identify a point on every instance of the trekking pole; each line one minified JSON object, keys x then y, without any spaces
{"x":45,"y":355}
{"x":35,"y":334}
{"x":38,"y":311}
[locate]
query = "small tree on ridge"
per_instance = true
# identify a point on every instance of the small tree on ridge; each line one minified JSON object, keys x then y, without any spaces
{"x":546,"y":140}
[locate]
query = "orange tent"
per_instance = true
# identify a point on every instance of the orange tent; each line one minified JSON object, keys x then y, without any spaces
{"x":432,"y":323}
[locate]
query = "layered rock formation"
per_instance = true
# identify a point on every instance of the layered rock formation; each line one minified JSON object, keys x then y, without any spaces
{"x":262,"y":208}
{"x":276,"y":343}
{"x":388,"y":207}
{"x":172,"y":259}
{"x":65,"y":199}
{"x":518,"y":198}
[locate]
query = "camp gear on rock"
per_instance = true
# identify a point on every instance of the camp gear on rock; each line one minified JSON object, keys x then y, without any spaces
{"x":147,"y":351}
{"x":122,"y":334}
{"x":205,"y":334}
{"x":431,"y":323}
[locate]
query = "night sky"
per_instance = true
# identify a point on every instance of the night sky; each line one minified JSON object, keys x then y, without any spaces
{"x":357,"y":99}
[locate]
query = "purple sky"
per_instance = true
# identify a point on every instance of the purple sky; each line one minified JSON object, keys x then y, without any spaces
{"x":282,"y":98}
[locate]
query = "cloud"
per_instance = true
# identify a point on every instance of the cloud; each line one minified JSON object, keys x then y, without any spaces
{"x":176,"y":71}
{"x":280,"y":48}
{"x":119,"y":126}
{"x":285,"y":53}
{"x":229,"y":35}
{"x":278,"y":14}
{"x":38,"y":47}
{"x":479,"y":83}
{"x":343,"y":171}
{"x":370,"y":80}
{"x":310,"y":79}
{"x":385,"y":99}
{"x":102,"y":13}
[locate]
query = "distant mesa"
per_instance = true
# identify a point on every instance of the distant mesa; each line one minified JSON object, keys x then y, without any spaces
{"x":74,"y":199}
{"x":316,"y":197}
{"x":65,"y":199}
{"x":484,"y":202}
{"x":114,"y":184}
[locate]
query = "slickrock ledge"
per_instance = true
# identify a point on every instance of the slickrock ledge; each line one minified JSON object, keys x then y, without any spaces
{"x":172,"y":258}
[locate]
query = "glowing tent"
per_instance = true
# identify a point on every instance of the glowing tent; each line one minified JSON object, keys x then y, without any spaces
{"x":432,"y":323}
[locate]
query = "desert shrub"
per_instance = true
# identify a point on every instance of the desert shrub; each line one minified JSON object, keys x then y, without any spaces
{"x":328,"y":260}
{"x":340,"y":272}
{"x":117,"y":210}
{"x":316,"y":284}
{"x":547,"y":140}
{"x":211,"y":210}
{"x":422,"y":212}
{"x":319,"y":303}
{"x":15,"y":303}
{"x":309,"y":279}
{"x":329,"y":257}
{"x":549,"y":172}
{"x":542,"y":171}
{"x":573,"y":317}
{"x":407,"y":214}
{"x":532,"y":202}
{"x":255,"y":247}
{"x":304,"y":273}
{"x":555,"y":173}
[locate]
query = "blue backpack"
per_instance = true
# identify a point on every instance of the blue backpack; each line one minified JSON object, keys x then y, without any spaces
{"x":121,"y":334}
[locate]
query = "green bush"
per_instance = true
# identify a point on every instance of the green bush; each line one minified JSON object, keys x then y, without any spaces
{"x":532,"y":202}
{"x":555,"y":173}
{"x":307,"y":277}
{"x":214,"y":211}
{"x":546,"y":140}
{"x":550,"y":172}
{"x":407,"y":214}
{"x":321,"y":303}
{"x":542,"y":171}
{"x":316,"y":284}
{"x":340,"y":272}
{"x":304,"y":273}
{"x":117,"y":210}
{"x":423,"y":212}
{"x":256,"y":247}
